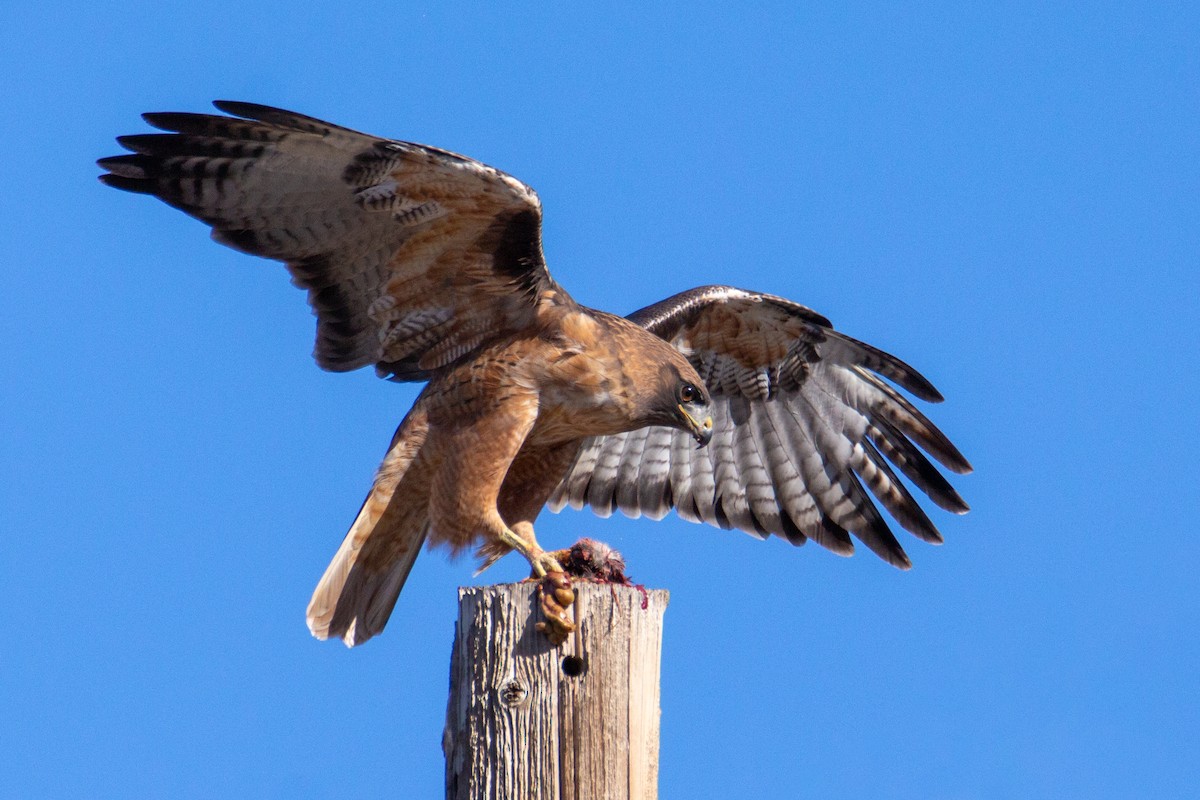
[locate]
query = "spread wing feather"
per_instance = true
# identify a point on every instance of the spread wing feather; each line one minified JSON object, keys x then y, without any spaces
{"x":807,"y":433}
{"x":412,"y":256}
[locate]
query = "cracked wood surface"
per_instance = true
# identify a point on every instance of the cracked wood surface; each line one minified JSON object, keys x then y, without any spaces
{"x":520,"y":726}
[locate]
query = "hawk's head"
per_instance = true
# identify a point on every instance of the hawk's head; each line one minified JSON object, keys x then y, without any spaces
{"x":681,"y":401}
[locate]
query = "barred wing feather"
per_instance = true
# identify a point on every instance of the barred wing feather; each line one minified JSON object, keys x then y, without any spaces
{"x":412,"y":256}
{"x":808,"y":436}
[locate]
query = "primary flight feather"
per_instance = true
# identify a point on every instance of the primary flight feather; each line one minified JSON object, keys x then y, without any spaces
{"x":429,"y":266}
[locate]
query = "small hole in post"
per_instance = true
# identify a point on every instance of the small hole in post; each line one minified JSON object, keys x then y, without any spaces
{"x":572,"y":666}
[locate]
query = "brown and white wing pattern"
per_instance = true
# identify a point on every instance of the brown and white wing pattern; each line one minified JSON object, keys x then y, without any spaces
{"x":806,"y":431}
{"x":412,"y":256}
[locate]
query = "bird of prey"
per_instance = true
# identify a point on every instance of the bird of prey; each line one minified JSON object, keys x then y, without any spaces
{"x":732,"y":407}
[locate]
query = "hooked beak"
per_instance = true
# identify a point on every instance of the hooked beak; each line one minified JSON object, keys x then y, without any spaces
{"x":699,"y":422}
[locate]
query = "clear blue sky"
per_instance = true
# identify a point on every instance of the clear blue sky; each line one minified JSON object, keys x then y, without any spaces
{"x":1006,"y":197}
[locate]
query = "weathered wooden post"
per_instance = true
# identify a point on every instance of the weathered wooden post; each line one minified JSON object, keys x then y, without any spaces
{"x":529,"y":721}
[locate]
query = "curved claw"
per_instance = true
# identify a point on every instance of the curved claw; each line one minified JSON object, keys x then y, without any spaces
{"x":556,"y":595}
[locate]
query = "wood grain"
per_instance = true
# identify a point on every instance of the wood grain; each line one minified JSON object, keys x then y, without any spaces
{"x":521,"y":727}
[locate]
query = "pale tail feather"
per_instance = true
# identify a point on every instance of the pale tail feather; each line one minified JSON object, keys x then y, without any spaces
{"x":359,"y":589}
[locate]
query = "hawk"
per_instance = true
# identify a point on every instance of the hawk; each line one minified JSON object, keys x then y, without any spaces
{"x":732,"y":407}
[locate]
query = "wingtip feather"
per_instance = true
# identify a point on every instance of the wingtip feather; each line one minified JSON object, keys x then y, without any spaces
{"x":956,"y":462}
{"x":127,"y":184}
{"x":239,"y":108}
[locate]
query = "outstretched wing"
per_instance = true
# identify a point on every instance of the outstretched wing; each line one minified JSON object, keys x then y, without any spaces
{"x":803,"y":421}
{"x":412,"y":256}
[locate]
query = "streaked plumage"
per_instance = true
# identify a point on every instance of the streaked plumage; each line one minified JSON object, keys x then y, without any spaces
{"x":429,"y":266}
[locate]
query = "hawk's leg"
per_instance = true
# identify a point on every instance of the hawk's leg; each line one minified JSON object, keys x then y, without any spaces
{"x":520,"y":538}
{"x":488,"y":486}
{"x":554,"y":588}
{"x":529,"y":483}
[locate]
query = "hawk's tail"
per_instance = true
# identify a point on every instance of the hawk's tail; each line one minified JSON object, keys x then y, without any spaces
{"x":360,"y":586}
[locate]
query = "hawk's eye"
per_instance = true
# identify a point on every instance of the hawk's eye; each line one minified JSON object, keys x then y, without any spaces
{"x":688,"y":393}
